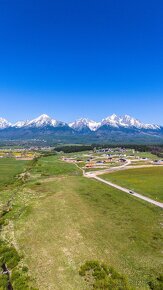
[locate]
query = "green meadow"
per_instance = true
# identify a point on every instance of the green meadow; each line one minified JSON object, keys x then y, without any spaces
{"x":147,"y":181}
{"x":9,"y":168}
{"x":60,"y":220}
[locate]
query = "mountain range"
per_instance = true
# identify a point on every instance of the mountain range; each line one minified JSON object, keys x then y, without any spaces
{"x":123,"y":129}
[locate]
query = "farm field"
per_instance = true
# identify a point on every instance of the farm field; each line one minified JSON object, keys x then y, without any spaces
{"x":147,"y":181}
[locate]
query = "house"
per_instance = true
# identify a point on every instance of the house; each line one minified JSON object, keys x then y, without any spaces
{"x":122,"y":160}
{"x":158,"y":162}
{"x":89,"y":165}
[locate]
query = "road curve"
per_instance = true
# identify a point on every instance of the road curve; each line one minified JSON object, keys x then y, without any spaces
{"x":152,"y":201}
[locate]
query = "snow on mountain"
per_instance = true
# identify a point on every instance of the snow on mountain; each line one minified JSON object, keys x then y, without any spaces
{"x":83,"y":123}
{"x":20,"y":124}
{"x":4,"y":123}
{"x":114,"y":120}
{"x":127,"y":122}
{"x":130,"y":121}
{"x":39,"y":122}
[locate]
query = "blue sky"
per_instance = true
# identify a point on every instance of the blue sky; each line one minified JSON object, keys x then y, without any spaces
{"x":81,"y":58}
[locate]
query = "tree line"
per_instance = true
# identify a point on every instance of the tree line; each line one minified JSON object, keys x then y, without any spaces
{"x":154,"y":149}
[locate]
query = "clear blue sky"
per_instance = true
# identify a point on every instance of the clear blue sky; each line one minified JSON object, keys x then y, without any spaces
{"x":81,"y":58}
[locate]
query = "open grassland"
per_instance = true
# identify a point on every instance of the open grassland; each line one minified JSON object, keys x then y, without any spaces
{"x":52,"y":165}
{"x":9,"y":168}
{"x":60,"y":219}
{"x":147,"y":181}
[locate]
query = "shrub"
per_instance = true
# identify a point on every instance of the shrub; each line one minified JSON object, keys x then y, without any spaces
{"x":20,"y":280}
{"x":9,"y":256}
{"x":25,"y":269}
{"x":156,"y":284}
{"x":100,"y":276}
{"x":3,"y":282}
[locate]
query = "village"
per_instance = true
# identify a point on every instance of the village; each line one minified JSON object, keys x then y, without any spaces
{"x":111,"y":157}
{"x":89,"y":160}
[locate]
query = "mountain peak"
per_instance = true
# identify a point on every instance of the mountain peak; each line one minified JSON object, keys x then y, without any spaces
{"x":4,"y":123}
{"x":112,"y":120}
{"x":81,"y":124}
{"x":43,"y":116}
{"x":42,"y":120}
{"x":84,"y":123}
{"x":113,"y":116}
{"x":126,"y":121}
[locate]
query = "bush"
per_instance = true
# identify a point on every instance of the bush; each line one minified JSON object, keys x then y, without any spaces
{"x":20,"y":280}
{"x":25,"y":269}
{"x":9,"y":256}
{"x":100,"y":276}
{"x":156,"y":284}
{"x":3,"y":282}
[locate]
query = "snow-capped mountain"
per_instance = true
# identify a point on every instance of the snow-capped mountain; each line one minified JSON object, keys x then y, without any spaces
{"x":84,"y":123}
{"x":40,"y":122}
{"x":80,"y":124}
{"x":20,"y":124}
{"x":127,"y":122}
{"x":114,"y":128}
{"x":4,"y":123}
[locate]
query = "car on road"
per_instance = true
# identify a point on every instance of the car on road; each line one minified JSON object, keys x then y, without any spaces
{"x":131,"y":191}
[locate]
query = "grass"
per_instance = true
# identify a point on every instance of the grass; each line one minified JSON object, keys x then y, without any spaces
{"x":147,"y":155}
{"x":142,"y":154}
{"x":60,"y":220}
{"x":52,"y":165}
{"x":9,"y":168}
{"x":147,"y":181}
{"x":9,"y":257}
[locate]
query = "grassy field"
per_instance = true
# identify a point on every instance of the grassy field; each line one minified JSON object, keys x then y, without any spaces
{"x":9,"y":168}
{"x":60,"y":219}
{"x":147,"y":181}
{"x":147,"y":155}
{"x":52,"y":165}
{"x":142,"y":154}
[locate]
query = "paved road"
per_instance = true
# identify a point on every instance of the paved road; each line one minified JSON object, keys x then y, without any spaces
{"x":111,"y":169}
{"x":126,"y":166}
{"x":93,"y":175}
